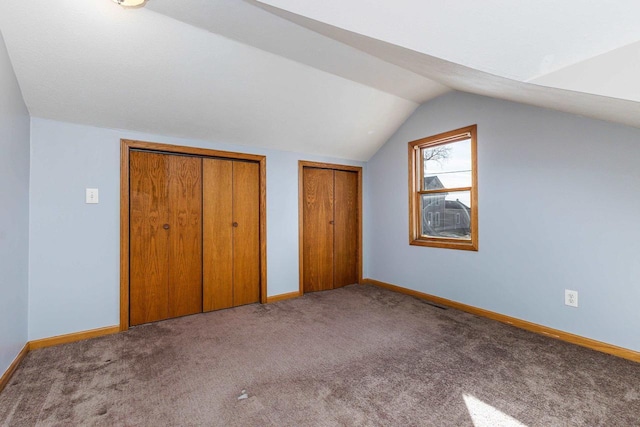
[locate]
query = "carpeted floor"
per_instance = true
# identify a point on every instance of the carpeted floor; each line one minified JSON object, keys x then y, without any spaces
{"x":354,"y":356}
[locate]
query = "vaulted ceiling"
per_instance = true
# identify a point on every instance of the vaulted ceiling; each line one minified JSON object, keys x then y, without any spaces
{"x":330,"y":77}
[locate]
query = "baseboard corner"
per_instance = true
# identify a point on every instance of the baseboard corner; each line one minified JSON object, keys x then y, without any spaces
{"x":282,"y":297}
{"x":6,"y":377}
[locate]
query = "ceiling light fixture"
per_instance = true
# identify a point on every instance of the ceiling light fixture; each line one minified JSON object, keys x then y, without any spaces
{"x":130,"y":3}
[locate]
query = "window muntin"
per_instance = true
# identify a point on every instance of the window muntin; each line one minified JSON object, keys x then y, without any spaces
{"x":443,"y":190}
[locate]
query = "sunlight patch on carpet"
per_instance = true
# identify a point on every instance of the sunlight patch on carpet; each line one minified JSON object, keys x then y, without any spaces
{"x":484,"y":415}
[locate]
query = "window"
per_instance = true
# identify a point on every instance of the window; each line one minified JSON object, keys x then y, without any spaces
{"x":443,"y":186}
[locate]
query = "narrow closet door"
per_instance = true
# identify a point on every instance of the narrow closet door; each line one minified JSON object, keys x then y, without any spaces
{"x":318,"y":226}
{"x":246,"y":232}
{"x":345,"y":229}
{"x":185,"y":235}
{"x":149,"y":240}
{"x":218,"y":234}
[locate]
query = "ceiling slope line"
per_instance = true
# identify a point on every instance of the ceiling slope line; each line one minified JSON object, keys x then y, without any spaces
{"x":466,"y":79}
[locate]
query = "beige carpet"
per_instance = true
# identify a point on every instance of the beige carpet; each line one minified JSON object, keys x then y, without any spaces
{"x":354,"y":356}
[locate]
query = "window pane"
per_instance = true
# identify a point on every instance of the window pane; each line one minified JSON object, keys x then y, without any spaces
{"x":447,"y":215}
{"x":447,"y":166}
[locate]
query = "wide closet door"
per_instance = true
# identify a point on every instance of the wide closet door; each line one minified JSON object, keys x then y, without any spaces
{"x":330,"y":229}
{"x":165,"y":236}
{"x":231,"y":233}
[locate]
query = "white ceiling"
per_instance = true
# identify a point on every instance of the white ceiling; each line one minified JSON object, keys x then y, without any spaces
{"x":330,"y":77}
{"x":518,"y":40}
{"x":93,"y":62}
{"x":243,"y":22}
{"x":621,"y":110}
{"x":615,"y":73}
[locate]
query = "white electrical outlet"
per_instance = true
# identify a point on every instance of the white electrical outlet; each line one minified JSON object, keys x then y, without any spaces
{"x":570,"y":298}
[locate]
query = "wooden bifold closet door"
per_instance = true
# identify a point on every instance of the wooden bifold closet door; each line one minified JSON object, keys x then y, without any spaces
{"x":330,"y":228}
{"x":165,"y":236}
{"x":194,"y":235}
{"x":231,"y":233}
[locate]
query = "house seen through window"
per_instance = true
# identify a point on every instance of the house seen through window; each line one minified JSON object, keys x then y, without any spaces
{"x":443,"y":190}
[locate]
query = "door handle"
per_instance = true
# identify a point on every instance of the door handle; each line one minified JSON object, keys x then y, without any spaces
{"x":235,"y":224}
{"x":331,"y":222}
{"x":165,"y":226}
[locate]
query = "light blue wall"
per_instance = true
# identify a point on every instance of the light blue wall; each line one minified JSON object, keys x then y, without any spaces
{"x":14,"y":213}
{"x":74,"y":247}
{"x":558,"y":208}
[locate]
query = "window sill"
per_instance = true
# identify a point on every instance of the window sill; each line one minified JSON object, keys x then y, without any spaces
{"x":465,"y":245}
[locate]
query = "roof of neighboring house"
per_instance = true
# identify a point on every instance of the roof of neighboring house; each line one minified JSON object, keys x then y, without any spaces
{"x":433,"y":183}
{"x":455,"y":204}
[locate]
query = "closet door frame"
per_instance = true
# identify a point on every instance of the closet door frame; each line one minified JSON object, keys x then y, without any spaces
{"x":126,"y":146}
{"x":336,"y":167}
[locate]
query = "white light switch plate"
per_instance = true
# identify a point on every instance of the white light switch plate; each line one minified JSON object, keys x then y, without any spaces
{"x":91,"y":195}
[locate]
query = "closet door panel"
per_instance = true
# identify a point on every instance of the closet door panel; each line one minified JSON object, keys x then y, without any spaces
{"x":246,"y":233}
{"x":185,"y":241}
{"x":149,"y":241}
{"x":217,"y":234}
{"x":318,"y":229}
{"x":346,"y":229}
